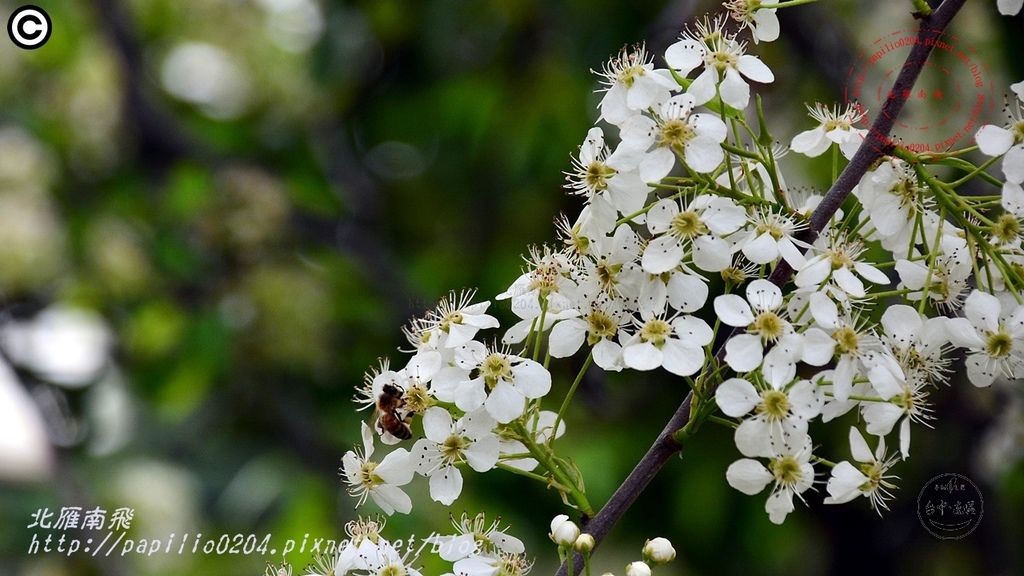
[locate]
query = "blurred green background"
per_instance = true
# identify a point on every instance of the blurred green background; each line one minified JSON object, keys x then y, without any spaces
{"x":254,"y":195}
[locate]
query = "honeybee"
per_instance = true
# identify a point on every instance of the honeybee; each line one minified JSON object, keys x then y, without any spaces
{"x":391,"y":419}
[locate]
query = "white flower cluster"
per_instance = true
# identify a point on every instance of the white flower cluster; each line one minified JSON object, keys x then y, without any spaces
{"x":690,"y":200}
{"x":477,"y":548}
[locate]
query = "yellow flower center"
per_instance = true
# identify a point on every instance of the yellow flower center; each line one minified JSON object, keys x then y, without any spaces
{"x":629,"y":74}
{"x":597,"y":175}
{"x":774,"y":404}
{"x":786,"y":470}
{"x":675,"y":134}
{"x":688,"y":225}
{"x":453,"y":446}
{"x":496,"y":367}
{"x":600,"y":326}
{"x":1006,"y":228}
{"x":768,"y":325}
{"x":999,"y":344}
{"x":846,"y":340}
{"x":655,"y":331}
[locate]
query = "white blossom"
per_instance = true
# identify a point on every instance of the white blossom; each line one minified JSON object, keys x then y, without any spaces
{"x":500,"y":382}
{"x":652,"y":144}
{"x":697,"y":228}
{"x":469,"y":439}
{"x":675,"y":345}
{"x":869,"y":479}
{"x":790,"y":473}
{"x":725,"y":64}
{"x":633,"y":85}
{"x":378,"y":480}
{"x":993,"y":335}
{"x":835,"y":126}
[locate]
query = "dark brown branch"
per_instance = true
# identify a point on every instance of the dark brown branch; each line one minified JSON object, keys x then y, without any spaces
{"x":874,"y":147}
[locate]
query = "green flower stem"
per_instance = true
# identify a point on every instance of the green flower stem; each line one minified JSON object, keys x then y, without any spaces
{"x":540,"y":329}
{"x":791,"y":3}
{"x":528,"y":474}
{"x":544,"y":457}
{"x":921,"y":7}
{"x":978,"y":171}
{"x":723,"y":421}
{"x":569,"y":395}
{"x":829,"y":463}
{"x":742,"y":152}
{"x":888,"y":293}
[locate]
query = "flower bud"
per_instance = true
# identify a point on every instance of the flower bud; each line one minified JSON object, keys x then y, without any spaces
{"x":585,"y":543}
{"x":564,"y":532}
{"x":659,"y":551}
{"x":638,"y":569}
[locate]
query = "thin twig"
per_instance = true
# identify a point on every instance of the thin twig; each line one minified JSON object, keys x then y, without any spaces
{"x":876,"y":144}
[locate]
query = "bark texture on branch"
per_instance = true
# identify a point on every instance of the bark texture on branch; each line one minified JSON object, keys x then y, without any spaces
{"x":876,"y":144}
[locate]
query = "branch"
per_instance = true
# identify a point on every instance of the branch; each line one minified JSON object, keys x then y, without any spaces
{"x":876,"y":144}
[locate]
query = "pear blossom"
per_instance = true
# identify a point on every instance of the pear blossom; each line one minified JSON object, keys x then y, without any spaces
{"x":1008,"y":142}
{"x":781,"y":413}
{"x":893,"y":198}
{"x":469,"y":439}
{"x":675,"y":345}
{"x":475,"y":536}
{"x":789,"y":472}
{"x":454,"y":322}
{"x":492,"y":565}
{"x":835,"y":126}
{"x":762,"y":315}
{"x":378,"y":480}
{"x":612,"y":266}
{"x":839,"y":260}
{"x":993,"y":335}
{"x":502,"y":383}
{"x":773,"y":235}
{"x":919,"y":344}
{"x":638,"y":569}
{"x":725,"y":63}
{"x":756,"y":15}
{"x":847,"y":341}
{"x":383,"y":558}
{"x":631,"y":85}
{"x":900,"y":401}
{"x":599,"y":322}
{"x":697,"y":227}
{"x":869,"y":479}
{"x":546,"y":279}
{"x":652,"y":144}
{"x":594,"y":173}
{"x":946,"y":283}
